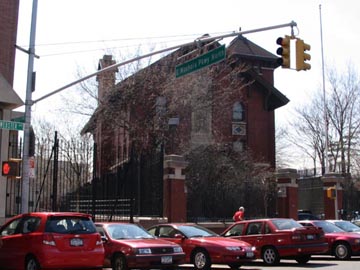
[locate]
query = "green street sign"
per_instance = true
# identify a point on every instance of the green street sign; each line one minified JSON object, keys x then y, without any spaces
{"x":11,"y":125}
{"x":207,"y":59}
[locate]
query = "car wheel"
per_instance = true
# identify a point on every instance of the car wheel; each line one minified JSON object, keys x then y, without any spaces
{"x":32,"y":264}
{"x":234,"y":265}
{"x":270,"y":256}
{"x":303,"y":259}
{"x":201,"y":260}
{"x":119,"y":262}
{"x":342,"y":251}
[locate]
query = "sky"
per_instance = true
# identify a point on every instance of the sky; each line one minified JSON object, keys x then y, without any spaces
{"x":75,"y":34}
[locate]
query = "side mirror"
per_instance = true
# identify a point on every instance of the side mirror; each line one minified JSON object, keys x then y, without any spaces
{"x":179,"y":236}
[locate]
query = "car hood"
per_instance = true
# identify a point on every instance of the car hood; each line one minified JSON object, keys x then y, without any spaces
{"x":220,"y":241}
{"x":136,"y":243}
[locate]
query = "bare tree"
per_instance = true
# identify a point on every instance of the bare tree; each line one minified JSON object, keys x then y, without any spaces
{"x":342,"y":112}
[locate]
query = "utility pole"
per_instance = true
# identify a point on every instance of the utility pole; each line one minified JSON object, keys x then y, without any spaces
{"x":28,"y":104}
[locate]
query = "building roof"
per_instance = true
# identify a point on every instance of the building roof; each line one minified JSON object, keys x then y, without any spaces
{"x":8,"y":98}
{"x":245,"y":48}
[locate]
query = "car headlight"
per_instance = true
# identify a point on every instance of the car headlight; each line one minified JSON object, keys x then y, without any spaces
{"x":233,"y":248}
{"x":357,"y":241}
{"x":144,"y":250}
{"x":178,"y":249}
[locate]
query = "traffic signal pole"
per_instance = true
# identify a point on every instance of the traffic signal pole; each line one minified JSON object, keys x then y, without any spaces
{"x":29,"y":102}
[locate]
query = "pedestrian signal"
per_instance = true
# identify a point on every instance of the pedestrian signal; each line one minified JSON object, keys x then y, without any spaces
{"x":9,"y":168}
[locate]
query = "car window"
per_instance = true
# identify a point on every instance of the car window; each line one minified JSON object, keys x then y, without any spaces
{"x":286,"y":224}
{"x":347,"y":226}
{"x":327,"y":226}
{"x":196,"y":231}
{"x":30,"y":224}
{"x":167,"y":231}
{"x":254,"y":228}
{"x":127,"y":231}
{"x":11,"y":228}
{"x":267,"y":229}
{"x":70,"y":225}
{"x":236,"y":230}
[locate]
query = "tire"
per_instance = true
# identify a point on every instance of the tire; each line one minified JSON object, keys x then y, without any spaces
{"x":342,"y":251}
{"x":201,"y":260}
{"x":303,"y":259}
{"x":270,"y":256}
{"x":235,"y":265}
{"x":119,"y":262}
{"x":32,"y":264}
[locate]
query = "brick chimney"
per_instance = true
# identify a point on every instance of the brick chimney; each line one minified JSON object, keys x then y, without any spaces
{"x":106,"y":80}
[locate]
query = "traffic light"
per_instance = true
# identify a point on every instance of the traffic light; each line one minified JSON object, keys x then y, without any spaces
{"x":331,"y":192}
{"x":302,"y":55}
{"x":284,"y":51}
{"x":9,"y":168}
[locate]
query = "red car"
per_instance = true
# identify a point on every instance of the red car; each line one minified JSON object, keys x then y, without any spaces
{"x":204,"y":247}
{"x":279,"y":238}
{"x":342,"y":244}
{"x":129,"y":246}
{"x":50,"y":240}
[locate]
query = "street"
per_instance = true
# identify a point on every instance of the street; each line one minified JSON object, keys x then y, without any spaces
{"x":319,"y":262}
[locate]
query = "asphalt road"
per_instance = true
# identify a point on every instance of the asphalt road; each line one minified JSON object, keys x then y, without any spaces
{"x":317,"y":262}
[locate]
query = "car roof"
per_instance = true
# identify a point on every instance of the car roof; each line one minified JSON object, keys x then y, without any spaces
{"x":262,"y":219}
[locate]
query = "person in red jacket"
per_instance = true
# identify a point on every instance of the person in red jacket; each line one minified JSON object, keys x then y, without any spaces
{"x":239,"y":215}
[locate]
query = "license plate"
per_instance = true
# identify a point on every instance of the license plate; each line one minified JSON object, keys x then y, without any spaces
{"x":166,"y":259}
{"x":310,"y":237}
{"x":76,"y":242}
{"x":249,"y":254}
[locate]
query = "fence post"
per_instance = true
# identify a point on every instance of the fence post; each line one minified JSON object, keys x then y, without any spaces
{"x":55,"y":172}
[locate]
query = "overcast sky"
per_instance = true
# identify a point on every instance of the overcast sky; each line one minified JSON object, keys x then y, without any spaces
{"x":73,"y":34}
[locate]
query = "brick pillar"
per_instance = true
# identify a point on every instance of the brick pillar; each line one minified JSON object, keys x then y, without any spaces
{"x":333,"y":180}
{"x":287,"y":196}
{"x":174,"y":188}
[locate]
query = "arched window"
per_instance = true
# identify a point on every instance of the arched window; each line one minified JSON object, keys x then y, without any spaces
{"x":238,"y":111}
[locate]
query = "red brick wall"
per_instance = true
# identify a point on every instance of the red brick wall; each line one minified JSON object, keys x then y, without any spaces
{"x":8,"y":30}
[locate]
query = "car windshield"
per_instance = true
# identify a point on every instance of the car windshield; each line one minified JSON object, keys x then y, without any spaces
{"x":196,"y":231}
{"x":127,"y":231}
{"x":347,"y":226}
{"x":70,"y":225}
{"x":327,"y":226}
{"x":286,"y":224}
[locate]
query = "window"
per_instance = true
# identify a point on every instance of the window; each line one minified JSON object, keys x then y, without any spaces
{"x":238,"y":111}
{"x":254,"y":228}
{"x":236,"y":230}
{"x":11,"y":228}
{"x":160,"y":106}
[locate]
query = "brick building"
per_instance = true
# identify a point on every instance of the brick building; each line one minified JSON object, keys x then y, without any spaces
{"x":9,"y":100}
{"x":244,"y":118}
{"x":232,"y":103}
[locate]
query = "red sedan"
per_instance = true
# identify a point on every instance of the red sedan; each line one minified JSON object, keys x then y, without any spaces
{"x":57,"y":240}
{"x":342,"y":244}
{"x":279,"y":238}
{"x":131,"y":246}
{"x":204,"y":247}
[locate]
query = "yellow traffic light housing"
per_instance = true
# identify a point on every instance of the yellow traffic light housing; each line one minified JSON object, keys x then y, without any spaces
{"x":284,"y":51}
{"x":331,"y":192}
{"x":302,"y":55}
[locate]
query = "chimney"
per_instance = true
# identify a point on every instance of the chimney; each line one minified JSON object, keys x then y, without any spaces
{"x":106,"y":80}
